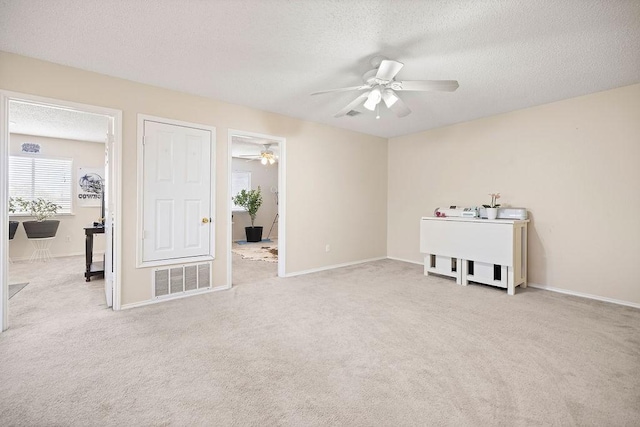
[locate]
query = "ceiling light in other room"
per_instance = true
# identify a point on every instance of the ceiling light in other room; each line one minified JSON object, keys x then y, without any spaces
{"x":267,"y":157}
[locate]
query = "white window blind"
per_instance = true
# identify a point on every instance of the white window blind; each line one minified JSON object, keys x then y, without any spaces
{"x":240,"y":180}
{"x":35,"y":177}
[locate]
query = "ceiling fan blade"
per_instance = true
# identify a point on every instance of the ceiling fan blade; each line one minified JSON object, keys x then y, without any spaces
{"x":343,"y":89}
{"x":353,"y":104}
{"x":399,"y":107}
{"x":426,"y":85}
{"x":388,"y":69}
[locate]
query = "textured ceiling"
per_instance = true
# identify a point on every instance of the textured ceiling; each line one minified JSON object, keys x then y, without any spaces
{"x":39,"y":120}
{"x":242,"y":146}
{"x":271,"y":54}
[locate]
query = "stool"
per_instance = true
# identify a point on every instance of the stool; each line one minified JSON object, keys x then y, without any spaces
{"x":41,"y":250}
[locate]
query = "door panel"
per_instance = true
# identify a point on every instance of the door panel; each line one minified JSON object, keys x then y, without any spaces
{"x":163,"y":231}
{"x":192,"y":225}
{"x":177,"y":191}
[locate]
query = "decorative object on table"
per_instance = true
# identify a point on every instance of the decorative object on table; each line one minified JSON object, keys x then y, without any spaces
{"x":90,"y":187}
{"x":13,"y":225}
{"x":42,"y":210}
{"x":251,"y":201}
{"x":456,"y":211}
{"x":492,"y":209}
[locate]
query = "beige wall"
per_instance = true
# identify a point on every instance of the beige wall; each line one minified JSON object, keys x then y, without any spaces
{"x":335,"y":178}
{"x":574,"y":164}
{"x":265,"y":176}
{"x":70,"y":236}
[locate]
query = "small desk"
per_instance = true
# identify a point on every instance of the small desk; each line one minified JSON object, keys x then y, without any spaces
{"x":92,"y":268}
{"x":488,"y":251}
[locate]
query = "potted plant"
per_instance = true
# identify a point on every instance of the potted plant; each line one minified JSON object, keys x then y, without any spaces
{"x":42,"y":210}
{"x":492,"y":209}
{"x":251,"y":201}
{"x":13,"y":225}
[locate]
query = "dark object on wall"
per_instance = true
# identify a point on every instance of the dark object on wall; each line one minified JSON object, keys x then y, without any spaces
{"x":254,"y":234}
{"x":13,"y":227}
{"x":41,"y":229}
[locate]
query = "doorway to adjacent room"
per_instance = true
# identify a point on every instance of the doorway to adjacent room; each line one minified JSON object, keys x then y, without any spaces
{"x":256,"y":161}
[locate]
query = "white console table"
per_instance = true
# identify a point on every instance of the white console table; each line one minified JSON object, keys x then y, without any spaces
{"x":493,"y":252}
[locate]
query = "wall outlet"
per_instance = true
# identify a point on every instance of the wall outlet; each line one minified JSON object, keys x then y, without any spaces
{"x":327,"y":248}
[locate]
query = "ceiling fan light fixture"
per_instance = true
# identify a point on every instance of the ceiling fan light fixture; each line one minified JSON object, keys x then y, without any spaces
{"x":373,"y":99}
{"x":263,"y":160}
{"x":380,"y":84}
{"x":389,"y":97}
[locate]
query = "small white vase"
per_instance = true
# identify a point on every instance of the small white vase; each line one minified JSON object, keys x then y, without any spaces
{"x":492,"y":213}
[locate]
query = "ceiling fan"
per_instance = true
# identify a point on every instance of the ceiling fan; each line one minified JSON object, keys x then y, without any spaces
{"x":380,"y":85}
{"x":266,"y":156}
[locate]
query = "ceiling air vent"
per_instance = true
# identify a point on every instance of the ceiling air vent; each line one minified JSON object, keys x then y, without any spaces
{"x":353,"y":113}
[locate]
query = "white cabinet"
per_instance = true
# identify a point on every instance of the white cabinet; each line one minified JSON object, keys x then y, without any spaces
{"x":493,"y":252}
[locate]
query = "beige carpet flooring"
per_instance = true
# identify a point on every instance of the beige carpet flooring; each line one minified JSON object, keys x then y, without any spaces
{"x":373,"y":344}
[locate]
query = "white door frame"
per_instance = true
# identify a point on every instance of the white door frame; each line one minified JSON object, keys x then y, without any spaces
{"x":282,"y":199}
{"x":115,"y":182}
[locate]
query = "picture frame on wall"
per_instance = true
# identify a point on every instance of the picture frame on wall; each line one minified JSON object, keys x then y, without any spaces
{"x":90,"y":183}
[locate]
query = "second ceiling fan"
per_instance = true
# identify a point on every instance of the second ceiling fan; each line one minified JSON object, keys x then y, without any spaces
{"x":380,"y":85}
{"x":266,"y":155}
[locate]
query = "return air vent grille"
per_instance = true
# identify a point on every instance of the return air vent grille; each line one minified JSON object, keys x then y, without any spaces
{"x":181,"y":279}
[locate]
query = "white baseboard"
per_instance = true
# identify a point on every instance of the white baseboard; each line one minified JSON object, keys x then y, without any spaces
{"x":406,"y":260}
{"x":584,"y":295}
{"x":559,"y":290}
{"x":332,"y":267}
{"x":170,"y":298}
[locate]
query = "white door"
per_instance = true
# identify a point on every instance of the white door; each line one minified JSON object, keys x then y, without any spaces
{"x":109,"y":226}
{"x":177,"y":192}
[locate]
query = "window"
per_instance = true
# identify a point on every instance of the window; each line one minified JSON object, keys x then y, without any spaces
{"x":239,"y":181}
{"x":34,"y":177}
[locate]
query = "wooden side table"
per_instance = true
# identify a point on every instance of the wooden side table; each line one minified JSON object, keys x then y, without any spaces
{"x":92,"y":268}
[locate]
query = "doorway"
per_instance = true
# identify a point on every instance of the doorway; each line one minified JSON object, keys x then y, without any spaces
{"x":256,"y":160}
{"x":24,"y":120}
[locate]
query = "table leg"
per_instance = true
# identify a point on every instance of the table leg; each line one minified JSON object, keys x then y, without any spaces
{"x":88,"y":252}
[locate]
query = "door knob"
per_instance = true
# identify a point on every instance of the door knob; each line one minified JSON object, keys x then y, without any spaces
{"x":205,"y":220}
